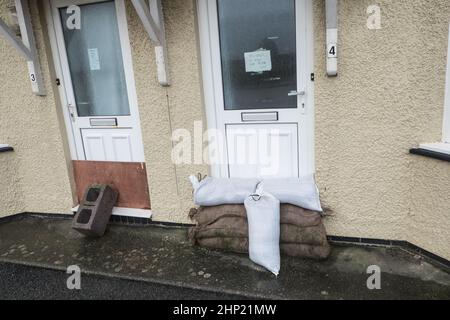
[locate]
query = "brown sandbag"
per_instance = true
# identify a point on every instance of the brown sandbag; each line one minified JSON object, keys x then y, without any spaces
{"x":306,"y":251}
{"x":238,"y":227}
{"x":223,"y":227}
{"x":240,"y":245}
{"x":208,"y":215}
{"x":228,"y":222}
{"x":315,"y":235}
{"x":289,"y":214}
{"x":225,"y":233}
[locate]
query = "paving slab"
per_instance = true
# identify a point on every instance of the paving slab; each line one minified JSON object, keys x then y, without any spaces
{"x":163,"y":255}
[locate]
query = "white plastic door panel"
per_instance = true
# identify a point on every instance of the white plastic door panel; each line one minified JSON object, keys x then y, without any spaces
{"x":97,"y":76}
{"x":261,"y":84}
{"x":262,"y":150}
{"x":109,"y":145}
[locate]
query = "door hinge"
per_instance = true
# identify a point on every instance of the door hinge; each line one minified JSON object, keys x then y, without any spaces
{"x":58,"y":82}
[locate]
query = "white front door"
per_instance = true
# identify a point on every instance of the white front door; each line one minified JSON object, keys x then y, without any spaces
{"x":257,"y":77}
{"x":97,"y":79}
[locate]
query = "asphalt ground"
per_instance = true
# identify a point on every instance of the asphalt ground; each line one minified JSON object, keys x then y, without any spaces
{"x":18,"y":282}
{"x":165,"y":265}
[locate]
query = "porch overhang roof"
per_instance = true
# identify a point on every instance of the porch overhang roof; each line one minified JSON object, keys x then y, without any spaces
{"x":152,"y":18}
{"x":25,"y":46}
{"x":149,"y":12}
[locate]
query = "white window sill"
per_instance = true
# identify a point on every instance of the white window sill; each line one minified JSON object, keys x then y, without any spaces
{"x":438,"y":151}
{"x":440,"y":147}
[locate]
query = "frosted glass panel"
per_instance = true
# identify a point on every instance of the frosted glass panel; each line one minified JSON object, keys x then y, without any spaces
{"x":95,"y":61}
{"x":258,"y":51}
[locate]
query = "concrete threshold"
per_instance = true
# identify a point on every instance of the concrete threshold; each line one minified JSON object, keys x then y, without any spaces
{"x":164,"y":256}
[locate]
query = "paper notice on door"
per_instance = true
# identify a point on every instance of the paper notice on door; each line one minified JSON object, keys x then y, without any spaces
{"x":94,"y":60}
{"x":258,"y":61}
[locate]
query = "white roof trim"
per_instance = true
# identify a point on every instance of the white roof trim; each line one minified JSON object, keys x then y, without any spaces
{"x":153,"y":20}
{"x":27,"y":46}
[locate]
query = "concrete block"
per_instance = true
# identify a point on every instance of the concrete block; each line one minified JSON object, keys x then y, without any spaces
{"x":95,"y":210}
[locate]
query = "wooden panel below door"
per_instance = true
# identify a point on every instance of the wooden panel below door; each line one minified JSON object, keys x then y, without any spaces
{"x":130,"y":179}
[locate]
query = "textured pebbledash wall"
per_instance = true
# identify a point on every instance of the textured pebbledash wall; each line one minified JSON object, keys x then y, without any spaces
{"x":429,"y":223}
{"x":10,"y":190}
{"x":35,"y":176}
{"x":163,"y":110}
{"x":387,"y":98}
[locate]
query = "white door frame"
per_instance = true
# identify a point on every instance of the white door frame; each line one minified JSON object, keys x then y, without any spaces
{"x":54,"y":30}
{"x":212,"y":80}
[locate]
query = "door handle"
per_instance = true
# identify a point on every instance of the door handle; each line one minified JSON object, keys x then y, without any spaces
{"x":296,"y":93}
{"x":299,"y":93}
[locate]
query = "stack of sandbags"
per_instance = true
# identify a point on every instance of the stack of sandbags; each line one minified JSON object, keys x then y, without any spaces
{"x":302,"y":233}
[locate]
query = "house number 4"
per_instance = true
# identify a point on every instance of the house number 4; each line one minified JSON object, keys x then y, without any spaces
{"x":332,"y":50}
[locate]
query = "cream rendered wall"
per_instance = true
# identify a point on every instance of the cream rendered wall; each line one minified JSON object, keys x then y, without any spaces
{"x":388,"y":97}
{"x":39,"y":139}
{"x":10,"y":189}
{"x":163,"y":110}
{"x":35,"y":176}
{"x":366,"y":119}
{"x":429,"y":226}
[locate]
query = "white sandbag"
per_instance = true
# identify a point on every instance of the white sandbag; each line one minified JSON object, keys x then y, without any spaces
{"x":218,"y":191}
{"x":263,"y":215}
{"x":301,"y":192}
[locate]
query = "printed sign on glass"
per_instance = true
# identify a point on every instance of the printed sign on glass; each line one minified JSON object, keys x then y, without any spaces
{"x":258,"y":61}
{"x":94,"y":60}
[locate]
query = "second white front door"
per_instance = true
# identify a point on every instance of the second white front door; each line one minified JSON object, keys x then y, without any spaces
{"x":97,"y":78}
{"x":258,"y":85}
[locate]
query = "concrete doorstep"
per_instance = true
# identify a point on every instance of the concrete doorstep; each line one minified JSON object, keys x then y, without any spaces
{"x":162,"y":255}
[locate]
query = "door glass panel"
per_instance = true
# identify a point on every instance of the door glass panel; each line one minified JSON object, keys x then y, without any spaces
{"x":95,"y":61}
{"x":258,"y":52}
